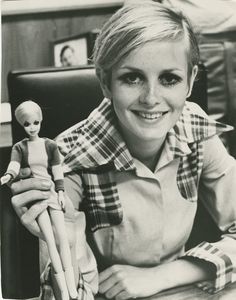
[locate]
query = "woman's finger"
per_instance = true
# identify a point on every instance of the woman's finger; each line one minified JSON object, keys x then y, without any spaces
{"x":30,"y":184}
{"x":33,"y":212}
{"x":107,"y":281}
{"x":114,"y":290}
{"x":123,"y":296}
{"x":22,"y":200}
{"x":105,"y":274}
{"x":24,"y":173}
{"x":28,"y":218}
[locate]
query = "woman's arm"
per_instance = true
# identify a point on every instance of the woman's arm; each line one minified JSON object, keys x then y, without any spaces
{"x":217,"y":191}
{"x":124,"y":282}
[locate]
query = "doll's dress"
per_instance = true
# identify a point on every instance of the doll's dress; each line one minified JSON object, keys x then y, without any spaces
{"x":38,"y":163}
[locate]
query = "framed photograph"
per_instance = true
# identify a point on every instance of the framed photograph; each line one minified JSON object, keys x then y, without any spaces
{"x":74,"y":50}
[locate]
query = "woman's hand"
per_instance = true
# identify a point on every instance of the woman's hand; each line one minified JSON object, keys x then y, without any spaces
{"x":26,"y":191}
{"x":124,"y":282}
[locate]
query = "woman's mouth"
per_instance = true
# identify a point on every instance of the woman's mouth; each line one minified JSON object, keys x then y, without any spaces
{"x":149,"y":115}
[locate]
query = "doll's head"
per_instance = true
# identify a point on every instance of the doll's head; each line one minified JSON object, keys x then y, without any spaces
{"x":27,"y":109}
{"x":135,"y":25}
{"x":29,"y":115}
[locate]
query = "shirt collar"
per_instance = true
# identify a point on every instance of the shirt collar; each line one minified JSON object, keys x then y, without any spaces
{"x":96,"y":141}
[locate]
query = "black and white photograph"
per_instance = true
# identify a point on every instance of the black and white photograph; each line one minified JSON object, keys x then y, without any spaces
{"x":71,"y":51}
{"x":118,"y":150}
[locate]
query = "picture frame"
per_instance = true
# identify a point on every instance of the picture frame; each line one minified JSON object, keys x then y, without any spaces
{"x":74,"y":50}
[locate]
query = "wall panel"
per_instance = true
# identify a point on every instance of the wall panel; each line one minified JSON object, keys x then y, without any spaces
{"x":27,"y":39}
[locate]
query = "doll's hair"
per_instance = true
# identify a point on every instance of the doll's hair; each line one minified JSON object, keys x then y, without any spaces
{"x":26,"y":109}
{"x":134,"y":25}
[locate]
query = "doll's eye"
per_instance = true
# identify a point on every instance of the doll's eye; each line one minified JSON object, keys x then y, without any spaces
{"x":36,"y":122}
{"x":26,"y":124}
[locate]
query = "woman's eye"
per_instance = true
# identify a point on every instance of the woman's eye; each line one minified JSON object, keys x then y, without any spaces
{"x":169,"y":79}
{"x":26,"y":124}
{"x":131,"y":78}
{"x":36,"y":122}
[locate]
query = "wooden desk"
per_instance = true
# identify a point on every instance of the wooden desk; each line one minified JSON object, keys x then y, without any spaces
{"x":192,"y":293}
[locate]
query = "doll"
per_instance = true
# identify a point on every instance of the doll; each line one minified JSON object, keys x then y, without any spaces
{"x":43,"y":158}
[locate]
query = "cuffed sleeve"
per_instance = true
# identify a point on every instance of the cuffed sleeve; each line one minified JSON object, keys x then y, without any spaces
{"x":217,"y":192}
{"x":16,"y":158}
{"x":224,"y":267}
{"x":59,"y":185}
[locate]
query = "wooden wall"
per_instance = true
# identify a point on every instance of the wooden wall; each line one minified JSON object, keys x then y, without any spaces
{"x":27,"y":39}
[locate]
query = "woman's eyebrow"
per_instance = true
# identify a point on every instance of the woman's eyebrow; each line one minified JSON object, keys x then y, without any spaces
{"x":131,"y":68}
{"x":173,"y":70}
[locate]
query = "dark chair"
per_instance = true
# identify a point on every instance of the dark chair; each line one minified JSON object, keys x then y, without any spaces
{"x":66,"y":96}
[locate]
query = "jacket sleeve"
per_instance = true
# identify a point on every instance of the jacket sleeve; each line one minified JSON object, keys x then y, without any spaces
{"x":15,"y":163}
{"x":217,"y":190}
{"x":84,"y":262}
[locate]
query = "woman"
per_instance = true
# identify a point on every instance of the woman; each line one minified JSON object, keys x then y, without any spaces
{"x":138,"y":164}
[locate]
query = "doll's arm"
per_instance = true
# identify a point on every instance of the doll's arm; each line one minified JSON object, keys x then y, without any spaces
{"x":14,"y":165}
{"x":61,"y":199}
{"x":6,"y":178}
{"x":57,"y":173}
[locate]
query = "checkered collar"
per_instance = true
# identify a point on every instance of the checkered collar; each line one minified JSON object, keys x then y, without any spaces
{"x":96,"y":142}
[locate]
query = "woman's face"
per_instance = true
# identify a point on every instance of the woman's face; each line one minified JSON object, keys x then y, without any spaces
{"x":32,"y":125}
{"x":149,"y":88}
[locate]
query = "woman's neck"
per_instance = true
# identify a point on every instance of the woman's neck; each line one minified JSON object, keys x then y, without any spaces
{"x":148,"y":152}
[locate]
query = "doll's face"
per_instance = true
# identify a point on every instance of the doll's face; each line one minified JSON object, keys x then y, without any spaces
{"x":32,"y":125}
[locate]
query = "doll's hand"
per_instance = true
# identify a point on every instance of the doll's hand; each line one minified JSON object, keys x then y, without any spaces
{"x":5,"y":179}
{"x":27,"y":191}
{"x":61,"y":200}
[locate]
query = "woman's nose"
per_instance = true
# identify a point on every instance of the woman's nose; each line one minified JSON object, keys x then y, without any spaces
{"x":151,"y":96}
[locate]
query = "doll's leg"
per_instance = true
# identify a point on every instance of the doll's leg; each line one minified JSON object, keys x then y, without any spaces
{"x":57,"y":218}
{"x":46,"y":227}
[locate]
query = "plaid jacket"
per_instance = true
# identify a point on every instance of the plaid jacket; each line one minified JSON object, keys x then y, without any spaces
{"x":94,"y":148}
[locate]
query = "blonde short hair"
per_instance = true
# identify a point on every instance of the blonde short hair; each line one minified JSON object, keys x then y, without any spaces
{"x":136,"y":24}
{"x":26,"y":109}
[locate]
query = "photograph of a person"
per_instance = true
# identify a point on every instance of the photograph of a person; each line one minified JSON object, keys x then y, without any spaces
{"x":71,"y":51}
{"x":129,"y":161}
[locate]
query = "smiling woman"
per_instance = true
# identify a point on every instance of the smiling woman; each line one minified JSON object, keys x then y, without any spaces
{"x":148,"y":95}
{"x":136,"y":167}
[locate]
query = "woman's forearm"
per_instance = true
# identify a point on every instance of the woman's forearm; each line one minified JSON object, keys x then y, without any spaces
{"x":183,"y":271}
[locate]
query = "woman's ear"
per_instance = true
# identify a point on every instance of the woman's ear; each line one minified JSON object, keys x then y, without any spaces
{"x":105,"y":84}
{"x":192,"y":79}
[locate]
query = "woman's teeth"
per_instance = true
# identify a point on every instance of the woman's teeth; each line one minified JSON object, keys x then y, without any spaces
{"x":150,"y":116}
